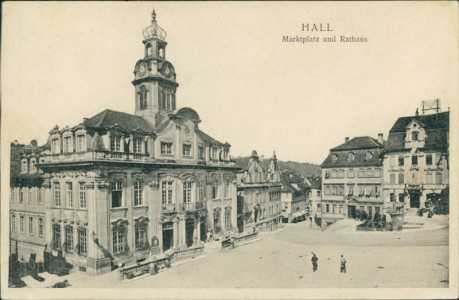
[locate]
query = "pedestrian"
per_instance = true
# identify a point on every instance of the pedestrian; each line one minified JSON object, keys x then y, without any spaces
{"x":343,"y":264}
{"x":314,"y":260}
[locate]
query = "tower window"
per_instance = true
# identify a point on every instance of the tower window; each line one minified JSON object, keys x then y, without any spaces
{"x":168,"y":102}
{"x":143,"y":93}
{"x":148,"y":50}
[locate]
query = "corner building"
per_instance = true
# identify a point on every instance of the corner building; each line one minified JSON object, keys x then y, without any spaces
{"x":122,"y":187}
{"x":416,"y":168}
{"x":352,"y":179}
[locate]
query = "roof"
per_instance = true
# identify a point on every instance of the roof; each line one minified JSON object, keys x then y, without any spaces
{"x":359,"y":146}
{"x":436,"y":127}
{"x":315,"y":182}
{"x":207,"y":138}
{"x":18,"y":152}
{"x":288,"y":179}
{"x":432,"y":121}
{"x":127,"y":122}
{"x":360,"y":142}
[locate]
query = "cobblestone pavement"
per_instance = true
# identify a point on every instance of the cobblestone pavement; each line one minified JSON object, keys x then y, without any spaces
{"x":283,"y":260}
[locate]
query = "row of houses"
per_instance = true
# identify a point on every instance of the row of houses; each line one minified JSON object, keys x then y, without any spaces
{"x":410,"y":169}
{"x":119,"y":188}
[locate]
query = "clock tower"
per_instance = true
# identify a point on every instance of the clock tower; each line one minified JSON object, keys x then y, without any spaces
{"x":154,"y":82}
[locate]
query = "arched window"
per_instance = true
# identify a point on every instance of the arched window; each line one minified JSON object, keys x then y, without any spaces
{"x":143,"y":93}
{"x":148,"y":51}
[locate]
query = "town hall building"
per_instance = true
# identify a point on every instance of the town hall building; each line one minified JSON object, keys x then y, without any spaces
{"x":118,"y":187}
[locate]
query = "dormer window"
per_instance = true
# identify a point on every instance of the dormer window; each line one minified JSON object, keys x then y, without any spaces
{"x":67,"y":144}
{"x":368,"y":155}
{"x":415,"y":135}
{"x":115,"y":143}
{"x":334,"y":158}
{"x":166,"y":148}
{"x":33,"y":167}
{"x":80,"y":143}
{"x":350,"y":156}
{"x":24,"y":166}
{"x":143,"y":93}
{"x":55,"y":145}
{"x":137,"y":145}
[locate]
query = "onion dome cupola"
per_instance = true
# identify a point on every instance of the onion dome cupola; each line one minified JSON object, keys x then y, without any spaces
{"x":155,"y":78}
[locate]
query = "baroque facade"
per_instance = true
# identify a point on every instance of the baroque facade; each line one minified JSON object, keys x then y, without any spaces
{"x":259,"y":196}
{"x":352,"y":177}
{"x":416,"y":169}
{"x":118,"y":188}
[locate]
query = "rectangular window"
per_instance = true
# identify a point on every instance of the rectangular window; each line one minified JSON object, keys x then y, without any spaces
{"x":137,"y":146}
{"x":13,"y":223}
{"x":415,"y":135}
{"x":22,"y":224}
{"x":401,"y":197}
{"x":69,"y":239}
{"x":378,"y":173}
{"x":438,"y":177}
{"x":29,"y":195}
{"x":115,"y":143}
{"x":318,"y":193}
{"x":166,"y":190}
{"x":369,"y":172}
{"x":69,"y":194}
{"x":414,"y":160}
{"x":30,"y":226}
{"x":40,"y":227}
{"x":186,"y":150}
{"x":429,"y":177}
{"x":341,"y":190}
{"x":21,"y":195}
{"x":401,"y":178}
{"x":12,"y":195}
{"x":187,"y":192}
{"x":227,"y":190}
{"x":56,"y":236}
{"x":350,"y":190}
{"x":119,"y":240}
{"x":57,"y":194}
{"x":80,"y":143}
{"x":350,"y":173}
{"x":392,"y":197}
{"x":327,"y":208}
{"x":335,"y":209}
{"x":166,"y":148}
{"x":82,"y":194}
{"x":215,"y":190}
{"x":82,"y":248}
{"x":227,"y":220}
{"x":341,"y":209}
{"x":392,"y":161}
{"x":341,"y":173}
{"x":67,"y":144}
{"x":429,"y":159}
{"x":392,"y":178}
{"x":327,"y":190}
{"x":117,"y":194}
{"x":138,"y":193}
{"x":140,"y":237}
{"x":200,"y":152}
{"x":39,"y":195}
{"x":361,"y":173}
{"x":334,"y":173}
{"x":201,"y":190}
{"x":401,"y":160}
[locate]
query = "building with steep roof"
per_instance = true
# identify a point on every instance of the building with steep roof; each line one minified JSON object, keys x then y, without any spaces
{"x":352,"y":178}
{"x":259,"y":196}
{"x":119,"y":188}
{"x":416,"y":166}
{"x":314,"y":183}
{"x":295,"y":196}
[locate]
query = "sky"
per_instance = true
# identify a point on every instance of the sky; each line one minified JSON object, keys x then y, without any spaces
{"x":62,"y":62}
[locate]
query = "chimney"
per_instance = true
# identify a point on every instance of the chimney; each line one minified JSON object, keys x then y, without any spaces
{"x":380,"y":138}
{"x":346,"y":139}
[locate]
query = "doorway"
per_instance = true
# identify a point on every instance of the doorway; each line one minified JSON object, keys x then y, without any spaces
{"x":203,"y":229}
{"x":168,"y":235}
{"x":189,"y":230}
{"x":351,"y":212}
{"x":415,"y":199}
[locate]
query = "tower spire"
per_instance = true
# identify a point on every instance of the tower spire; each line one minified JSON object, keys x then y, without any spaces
{"x":153,"y":16}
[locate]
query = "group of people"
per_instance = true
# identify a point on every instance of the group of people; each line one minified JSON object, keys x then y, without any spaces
{"x":315,"y":265}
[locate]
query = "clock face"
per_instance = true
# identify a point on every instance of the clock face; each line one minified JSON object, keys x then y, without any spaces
{"x":167,"y":70}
